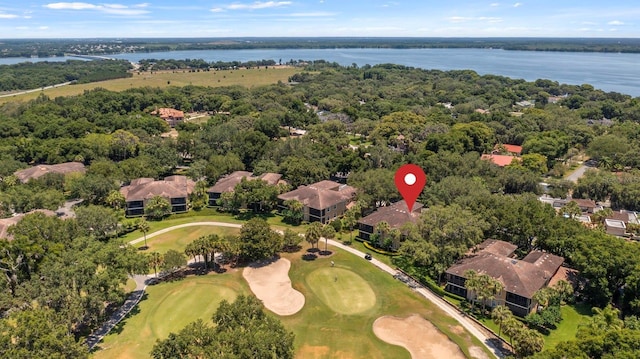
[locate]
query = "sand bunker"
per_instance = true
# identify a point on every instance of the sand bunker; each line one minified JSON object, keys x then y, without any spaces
{"x":271,"y":284}
{"x":421,"y":338}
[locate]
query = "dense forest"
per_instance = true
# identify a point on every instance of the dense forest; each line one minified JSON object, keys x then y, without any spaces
{"x":45,"y":48}
{"x":362,"y":124}
{"x":33,"y":75}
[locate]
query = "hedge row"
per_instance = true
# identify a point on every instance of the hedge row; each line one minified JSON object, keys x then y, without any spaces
{"x":378,"y":250}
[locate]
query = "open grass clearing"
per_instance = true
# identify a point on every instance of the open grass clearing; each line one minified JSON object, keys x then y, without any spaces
{"x":177,"y":78}
{"x":321,"y":332}
{"x":342,"y":290}
{"x":572,"y":316}
{"x":211,"y":215}
{"x":178,"y":239}
{"x":166,"y":308}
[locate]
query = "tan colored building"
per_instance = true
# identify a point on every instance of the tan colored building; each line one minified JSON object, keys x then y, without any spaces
{"x":176,"y":189}
{"x":229,"y":182}
{"x":396,"y":215}
{"x":5,"y":223}
{"x":521,"y":278}
{"x":323,"y":201}
{"x":170,"y":115}
{"x":38,"y":171}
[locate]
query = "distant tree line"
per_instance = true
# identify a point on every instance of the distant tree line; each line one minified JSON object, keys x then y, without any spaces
{"x":199,"y":64}
{"x":45,"y":48}
{"x":33,"y":75}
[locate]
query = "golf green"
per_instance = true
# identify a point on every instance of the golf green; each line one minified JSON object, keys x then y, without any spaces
{"x":167,"y":308}
{"x":342,"y":290}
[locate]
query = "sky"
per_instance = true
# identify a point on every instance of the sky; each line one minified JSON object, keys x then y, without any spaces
{"x":302,"y":18}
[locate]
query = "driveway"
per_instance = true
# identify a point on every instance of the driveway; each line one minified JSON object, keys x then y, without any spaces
{"x":575,"y":175}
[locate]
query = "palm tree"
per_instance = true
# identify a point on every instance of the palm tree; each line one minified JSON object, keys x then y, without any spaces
{"x":564,"y":289}
{"x":382,"y":228}
{"x":313,"y":233}
{"x":473,"y":284}
{"x":328,"y":232}
{"x":191,"y":250}
{"x":349,"y":221}
{"x":512,"y":327}
{"x":143,"y":226}
{"x":155,"y":260}
{"x":543,"y":296}
{"x":500,"y":315}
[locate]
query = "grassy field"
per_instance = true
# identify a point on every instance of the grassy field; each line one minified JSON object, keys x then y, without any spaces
{"x":178,"y":239}
{"x":342,"y":290}
{"x":209,"y":215}
{"x":572,"y":317}
{"x":168,"y":307}
{"x":322,"y":328}
{"x":242,"y":77}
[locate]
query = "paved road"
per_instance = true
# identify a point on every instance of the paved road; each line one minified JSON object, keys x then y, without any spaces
{"x":575,"y":175}
{"x":464,"y":321}
{"x":36,"y":90}
{"x":130,"y":303}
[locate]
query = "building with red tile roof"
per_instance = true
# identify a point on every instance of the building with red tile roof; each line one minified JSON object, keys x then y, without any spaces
{"x":170,"y":115}
{"x":500,"y":160}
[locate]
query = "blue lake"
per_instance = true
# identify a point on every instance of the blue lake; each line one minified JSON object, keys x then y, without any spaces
{"x":606,"y":71}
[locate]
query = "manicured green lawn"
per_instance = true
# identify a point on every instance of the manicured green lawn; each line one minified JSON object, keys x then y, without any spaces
{"x":342,"y":290}
{"x":210,"y":215}
{"x":178,"y":239}
{"x":168,"y":307}
{"x":322,"y":328}
{"x":323,"y":332}
{"x":572,"y":317}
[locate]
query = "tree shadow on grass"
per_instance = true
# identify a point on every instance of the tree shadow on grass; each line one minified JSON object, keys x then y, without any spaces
{"x":325,"y":253}
{"x":263,"y":262}
{"x":120,"y":326}
{"x":309,"y":257}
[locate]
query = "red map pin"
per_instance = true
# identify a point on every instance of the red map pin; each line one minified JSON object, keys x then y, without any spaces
{"x":410,"y":180}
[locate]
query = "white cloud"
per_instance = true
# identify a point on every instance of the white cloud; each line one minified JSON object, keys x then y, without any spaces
{"x":494,"y":4}
{"x":7,"y":16}
{"x":22,"y":27}
{"x":615,"y":23}
{"x":518,"y":4}
{"x":459,"y":19}
{"x":313,"y":14}
{"x":252,"y":6}
{"x":43,"y":28}
{"x":113,"y":9}
{"x":144,"y":4}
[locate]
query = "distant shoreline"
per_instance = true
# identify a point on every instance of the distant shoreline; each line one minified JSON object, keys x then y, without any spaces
{"x":41,"y":48}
